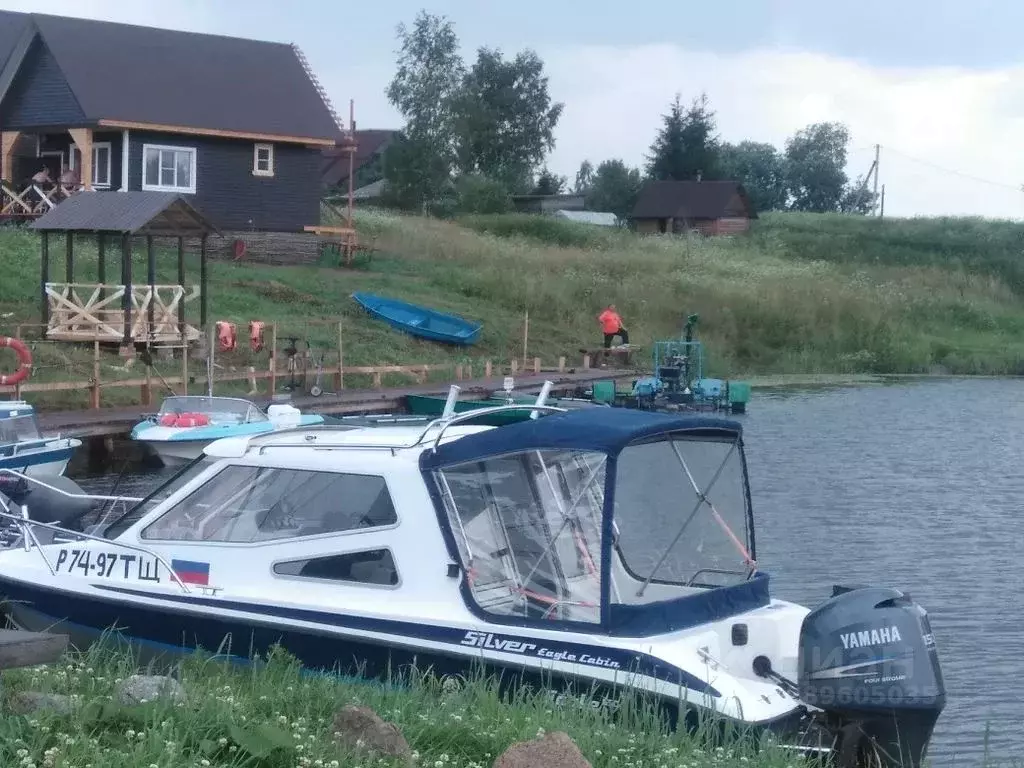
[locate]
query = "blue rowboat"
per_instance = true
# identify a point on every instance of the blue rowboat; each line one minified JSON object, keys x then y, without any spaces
{"x":420,"y":321}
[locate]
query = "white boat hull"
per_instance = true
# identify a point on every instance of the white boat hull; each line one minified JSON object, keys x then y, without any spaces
{"x":176,"y":452}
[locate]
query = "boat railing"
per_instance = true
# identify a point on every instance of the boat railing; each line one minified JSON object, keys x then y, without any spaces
{"x":67,"y":494}
{"x":29,"y":540}
{"x":24,"y":445}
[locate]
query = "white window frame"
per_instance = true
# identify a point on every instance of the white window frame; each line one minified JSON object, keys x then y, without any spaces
{"x":192,"y":151}
{"x":256,"y":170}
{"x":95,"y":166}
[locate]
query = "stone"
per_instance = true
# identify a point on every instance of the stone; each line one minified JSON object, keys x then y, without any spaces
{"x":360,"y":728}
{"x":139,"y":689}
{"x":29,"y":702}
{"x":553,"y":750}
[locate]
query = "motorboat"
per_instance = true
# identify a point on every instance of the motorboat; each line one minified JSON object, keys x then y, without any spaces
{"x":185,"y":424}
{"x":585,"y":553}
{"x":23,"y":447}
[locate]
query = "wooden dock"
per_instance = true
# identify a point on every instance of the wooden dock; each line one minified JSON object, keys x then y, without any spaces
{"x":111,"y":422}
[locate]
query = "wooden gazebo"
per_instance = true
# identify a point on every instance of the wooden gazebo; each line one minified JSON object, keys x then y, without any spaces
{"x":122,"y":312}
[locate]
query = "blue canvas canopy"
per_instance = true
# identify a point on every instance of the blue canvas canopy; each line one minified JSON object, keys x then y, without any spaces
{"x":608,"y":430}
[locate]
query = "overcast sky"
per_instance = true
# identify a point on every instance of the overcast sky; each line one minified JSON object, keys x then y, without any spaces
{"x":939,"y":84}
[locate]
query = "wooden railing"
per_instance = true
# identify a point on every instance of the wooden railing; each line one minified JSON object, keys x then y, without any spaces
{"x":100,"y":316}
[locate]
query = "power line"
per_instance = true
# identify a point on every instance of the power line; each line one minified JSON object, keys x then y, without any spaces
{"x":961,"y":174}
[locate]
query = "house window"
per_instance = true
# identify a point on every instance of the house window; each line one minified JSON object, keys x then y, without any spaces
{"x":263,"y":160}
{"x":251,"y":505}
{"x":376,"y":566}
{"x":168,"y":169}
{"x":100,"y":163}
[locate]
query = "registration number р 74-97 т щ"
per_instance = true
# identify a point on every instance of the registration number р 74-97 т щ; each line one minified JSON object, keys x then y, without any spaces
{"x":107,"y":565}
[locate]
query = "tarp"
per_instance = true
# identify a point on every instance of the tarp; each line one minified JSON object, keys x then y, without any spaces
{"x":607,"y":430}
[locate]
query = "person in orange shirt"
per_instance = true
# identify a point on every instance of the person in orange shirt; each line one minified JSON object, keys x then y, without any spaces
{"x":612,"y":326}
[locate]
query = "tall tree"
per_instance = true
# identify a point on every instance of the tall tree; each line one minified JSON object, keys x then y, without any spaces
{"x":424,"y":90}
{"x":615,"y":188}
{"x":686,"y":147}
{"x":816,"y":162}
{"x":584,"y":178}
{"x":549,"y":183}
{"x":505,"y":118}
{"x":760,"y":168}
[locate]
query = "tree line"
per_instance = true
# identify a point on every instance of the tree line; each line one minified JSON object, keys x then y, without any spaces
{"x":476,"y":135}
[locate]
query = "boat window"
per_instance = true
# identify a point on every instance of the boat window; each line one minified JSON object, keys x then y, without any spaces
{"x":177,"y":480}
{"x":18,"y":428}
{"x":375,"y":566}
{"x":246,"y":504}
{"x":528,"y":526}
{"x":220,"y":410}
{"x":681,"y":516}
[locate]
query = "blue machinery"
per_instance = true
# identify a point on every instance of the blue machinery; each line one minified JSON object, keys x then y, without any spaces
{"x":678,"y":381}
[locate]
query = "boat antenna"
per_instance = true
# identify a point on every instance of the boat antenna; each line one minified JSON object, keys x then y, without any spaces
{"x":542,"y":398}
{"x":449,"y":404}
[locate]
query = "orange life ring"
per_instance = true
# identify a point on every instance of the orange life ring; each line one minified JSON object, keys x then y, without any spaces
{"x":24,"y":358}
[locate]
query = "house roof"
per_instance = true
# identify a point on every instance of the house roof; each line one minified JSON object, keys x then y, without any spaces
{"x":689,"y":199}
{"x":126,"y":76}
{"x":369,"y":142}
{"x":147,"y":213}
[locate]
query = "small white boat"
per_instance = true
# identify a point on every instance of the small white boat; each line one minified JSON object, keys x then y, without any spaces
{"x":580,"y":552}
{"x":186,"y":424}
{"x":24,"y":449}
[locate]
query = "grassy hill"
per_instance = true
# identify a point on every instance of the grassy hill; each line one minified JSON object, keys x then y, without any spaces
{"x":799,"y":294}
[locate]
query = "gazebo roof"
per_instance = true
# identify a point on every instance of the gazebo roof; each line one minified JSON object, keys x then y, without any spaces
{"x":166,"y":214}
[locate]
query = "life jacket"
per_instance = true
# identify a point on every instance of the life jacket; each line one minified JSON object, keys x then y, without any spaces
{"x":610,"y":321}
{"x":256,"y":335}
{"x":226,"y":335}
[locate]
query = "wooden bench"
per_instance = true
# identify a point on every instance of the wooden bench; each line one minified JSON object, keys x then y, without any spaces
{"x":600,"y":356}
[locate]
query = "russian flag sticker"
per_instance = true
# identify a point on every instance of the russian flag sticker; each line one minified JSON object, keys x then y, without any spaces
{"x":192,"y":571}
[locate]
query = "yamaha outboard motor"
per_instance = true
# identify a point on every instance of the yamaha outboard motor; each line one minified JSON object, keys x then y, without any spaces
{"x":868,"y":659}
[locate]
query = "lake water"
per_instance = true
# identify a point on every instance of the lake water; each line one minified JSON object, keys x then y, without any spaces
{"x":916,"y":486}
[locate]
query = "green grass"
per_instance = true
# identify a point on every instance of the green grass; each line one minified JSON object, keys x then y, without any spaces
{"x":799,"y":294}
{"x":271,"y":715}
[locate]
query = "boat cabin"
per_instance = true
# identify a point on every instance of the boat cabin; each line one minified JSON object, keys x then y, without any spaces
{"x":17,"y":423}
{"x":615,"y":520}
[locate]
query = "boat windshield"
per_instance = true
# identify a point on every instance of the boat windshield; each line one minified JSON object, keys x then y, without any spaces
{"x":528,"y":528}
{"x":18,"y":429}
{"x":177,"y":480}
{"x":220,"y":410}
{"x":681,"y":518}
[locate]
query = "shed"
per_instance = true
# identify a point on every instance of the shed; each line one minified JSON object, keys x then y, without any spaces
{"x":152,"y":312}
{"x":708,"y":207}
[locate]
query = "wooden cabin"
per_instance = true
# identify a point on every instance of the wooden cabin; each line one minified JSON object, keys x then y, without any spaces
{"x":708,"y":207}
{"x":236,"y":126}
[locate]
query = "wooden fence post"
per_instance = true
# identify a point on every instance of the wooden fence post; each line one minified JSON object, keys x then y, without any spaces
{"x":339,"y":379}
{"x":273,"y":360}
{"x":561,"y":365}
{"x":94,"y":394}
{"x":536,"y":365}
{"x":526,"y":334}
{"x":184,"y":364}
{"x":513,"y":366}
{"x":586,"y":362}
{"x":488,"y":369}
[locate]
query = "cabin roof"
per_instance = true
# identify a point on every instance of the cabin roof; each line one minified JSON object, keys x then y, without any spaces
{"x":689,"y":199}
{"x":156,"y":213}
{"x":606,"y":430}
{"x":177,"y":79}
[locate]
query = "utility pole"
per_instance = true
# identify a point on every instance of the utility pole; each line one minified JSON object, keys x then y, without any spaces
{"x":875,"y":198}
{"x":881,"y":210}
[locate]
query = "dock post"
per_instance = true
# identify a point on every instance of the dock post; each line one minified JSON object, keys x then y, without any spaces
{"x":561,"y":364}
{"x":536,"y":365}
{"x":339,"y":380}
{"x":488,"y":369}
{"x":273,"y":360}
{"x":586,"y":362}
{"x":94,"y":399}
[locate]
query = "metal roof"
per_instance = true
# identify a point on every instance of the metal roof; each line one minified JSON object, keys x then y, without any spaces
{"x":602,"y":218}
{"x":690,"y":199}
{"x":154,"y":213}
{"x":135,"y":74}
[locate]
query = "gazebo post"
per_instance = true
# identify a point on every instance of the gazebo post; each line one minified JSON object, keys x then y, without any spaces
{"x":69,"y":258}
{"x":151,"y":276}
{"x":126,"y":282}
{"x":44,"y":278}
{"x":101,"y":261}
{"x":203,"y":305}
{"x":181,"y":283}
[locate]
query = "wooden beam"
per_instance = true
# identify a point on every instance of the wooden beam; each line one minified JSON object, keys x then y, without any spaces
{"x":83,"y":138}
{"x":69,"y":257}
{"x":44,"y":278}
{"x":181,"y":282}
{"x":7,"y":141}
{"x":270,"y":137}
{"x":327,"y":230}
{"x":151,"y":279}
{"x":203,"y":286}
{"x":126,"y":281}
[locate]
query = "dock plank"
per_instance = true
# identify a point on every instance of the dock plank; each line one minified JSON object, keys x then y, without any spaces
{"x":27,"y":649}
{"x":103,"y":422}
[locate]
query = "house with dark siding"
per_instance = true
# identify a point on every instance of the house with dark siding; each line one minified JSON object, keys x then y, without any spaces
{"x":237,"y":126}
{"x":677,"y":207}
